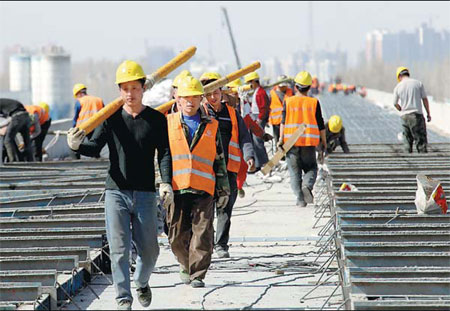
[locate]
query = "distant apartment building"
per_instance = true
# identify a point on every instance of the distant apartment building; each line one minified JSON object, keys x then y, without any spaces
{"x":424,"y":44}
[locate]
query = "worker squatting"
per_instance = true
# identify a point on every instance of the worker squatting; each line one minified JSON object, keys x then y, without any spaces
{"x":206,"y":144}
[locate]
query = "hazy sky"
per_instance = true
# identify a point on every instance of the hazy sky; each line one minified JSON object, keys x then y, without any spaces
{"x":118,"y":30}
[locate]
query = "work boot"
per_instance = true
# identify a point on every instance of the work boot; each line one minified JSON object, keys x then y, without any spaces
{"x":307,"y":195}
{"x":184,"y":276}
{"x":300,"y":203}
{"x":197,"y":282}
{"x":124,"y":305}
{"x":144,"y":296}
{"x":241,"y":193}
{"x":222,"y":253}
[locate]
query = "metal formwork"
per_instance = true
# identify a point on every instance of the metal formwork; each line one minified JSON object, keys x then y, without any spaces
{"x":51,"y":218}
{"x":390,"y":257}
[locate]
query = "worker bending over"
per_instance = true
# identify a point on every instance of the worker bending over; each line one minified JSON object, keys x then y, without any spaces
{"x":411,"y":94}
{"x":199,"y":178}
{"x":297,"y":110}
{"x":41,"y":122}
{"x":133,"y":134}
{"x":335,"y":134}
{"x":236,"y":141}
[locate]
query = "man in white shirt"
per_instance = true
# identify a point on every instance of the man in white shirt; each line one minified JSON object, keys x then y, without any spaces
{"x":411,"y":94}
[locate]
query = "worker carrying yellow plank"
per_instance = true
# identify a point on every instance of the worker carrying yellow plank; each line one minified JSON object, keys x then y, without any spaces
{"x":237,"y":143}
{"x":302,"y":109}
{"x":85,"y":107}
{"x":133,"y":133}
{"x":199,"y":179}
{"x":411,"y":94}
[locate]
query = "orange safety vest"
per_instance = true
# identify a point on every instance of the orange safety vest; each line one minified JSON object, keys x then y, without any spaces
{"x":276,"y":106}
{"x":43,"y":115}
{"x":192,"y":168}
{"x":89,"y":106}
{"x":234,"y":150}
{"x":302,"y":110}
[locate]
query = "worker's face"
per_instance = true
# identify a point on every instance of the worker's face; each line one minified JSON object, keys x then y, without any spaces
{"x":132,"y":93}
{"x":283,"y":88}
{"x":190,"y":104}
{"x":214,"y":98}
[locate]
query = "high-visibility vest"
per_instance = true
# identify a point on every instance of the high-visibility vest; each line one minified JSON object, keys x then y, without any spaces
{"x":302,"y":110}
{"x":192,"y":169}
{"x":89,"y":106}
{"x":234,"y":150}
{"x":276,"y":106}
{"x":43,"y":115}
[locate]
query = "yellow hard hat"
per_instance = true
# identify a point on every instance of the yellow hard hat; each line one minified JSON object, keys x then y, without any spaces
{"x":399,"y":70}
{"x":234,"y":83}
{"x":78,"y":87}
{"x":251,"y":76}
{"x":303,"y":78}
{"x":180,"y":76}
{"x":210,"y":76}
{"x":129,"y":71}
{"x":44,"y":106}
{"x":335,"y":124}
{"x":190,"y":86}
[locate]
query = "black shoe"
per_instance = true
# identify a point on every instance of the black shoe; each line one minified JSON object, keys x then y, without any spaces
{"x":197,"y":283}
{"x":307,"y":195}
{"x":144,"y":296}
{"x":124,"y":305}
{"x":300,"y":203}
{"x":222,"y":253}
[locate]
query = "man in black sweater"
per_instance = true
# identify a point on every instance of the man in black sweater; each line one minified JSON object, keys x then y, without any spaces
{"x":133,"y":134}
{"x":20,"y":123}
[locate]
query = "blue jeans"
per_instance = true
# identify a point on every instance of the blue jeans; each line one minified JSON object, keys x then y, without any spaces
{"x":302,"y":159}
{"x":138,"y":209}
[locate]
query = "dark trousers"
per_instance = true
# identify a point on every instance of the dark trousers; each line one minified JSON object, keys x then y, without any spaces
{"x":39,"y":140}
{"x":276,"y":133}
{"x":414,"y":130}
{"x":302,"y":159}
{"x":191,"y":232}
{"x":224,"y":215}
{"x":20,"y":123}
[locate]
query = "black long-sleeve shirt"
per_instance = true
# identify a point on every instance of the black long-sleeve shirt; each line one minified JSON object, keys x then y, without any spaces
{"x":132,"y":143}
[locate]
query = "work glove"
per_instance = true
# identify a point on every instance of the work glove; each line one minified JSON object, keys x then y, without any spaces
{"x":75,"y":137}
{"x":280,"y":144}
{"x":166,"y":194}
{"x":222,"y":201}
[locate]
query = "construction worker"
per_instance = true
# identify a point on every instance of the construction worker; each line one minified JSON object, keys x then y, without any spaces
{"x":335,"y":134}
{"x":19,"y":122}
{"x":85,"y":107}
{"x":175,"y":83}
{"x":297,"y":110}
{"x":237,"y":143}
{"x":411,"y":94}
{"x":277,"y":96}
{"x":260,"y":106}
{"x":133,"y":134}
{"x":199,"y":179}
{"x":42,"y":121}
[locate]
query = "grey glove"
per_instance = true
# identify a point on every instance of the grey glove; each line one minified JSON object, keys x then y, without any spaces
{"x":166,"y":194}
{"x":75,"y":137}
{"x":222,"y":201}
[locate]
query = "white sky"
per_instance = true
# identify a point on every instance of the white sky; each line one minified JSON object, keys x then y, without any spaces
{"x":118,"y":30}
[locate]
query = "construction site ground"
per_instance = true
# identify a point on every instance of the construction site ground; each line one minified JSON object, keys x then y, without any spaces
{"x":275,"y":263}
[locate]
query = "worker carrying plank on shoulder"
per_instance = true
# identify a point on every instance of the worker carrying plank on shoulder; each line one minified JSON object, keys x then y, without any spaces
{"x":85,"y":107}
{"x":302,"y":109}
{"x":237,"y":143}
{"x":199,"y":179}
{"x":133,"y":133}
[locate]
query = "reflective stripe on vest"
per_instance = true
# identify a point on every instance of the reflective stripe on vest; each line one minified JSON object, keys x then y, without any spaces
{"x":192,"y":169}
{"x":276,"y":106}
{"x":302,"y":110}
{"x":89,"y":106}
{"x":43,"y":115}
{"x":234,"y":151}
